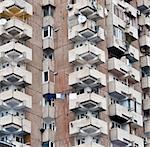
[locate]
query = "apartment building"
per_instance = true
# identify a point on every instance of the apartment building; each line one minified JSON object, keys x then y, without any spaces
{"x":75,"y":73}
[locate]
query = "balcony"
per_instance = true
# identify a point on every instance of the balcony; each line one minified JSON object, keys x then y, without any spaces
{"x":99,"y":35}
{"x":48,"y":21}
{"x":88,"y":101}
{"x":146,"y":104}
{"x":121,"y":114}
{"x":133,"y":54}
{"x":15,"y":75}
{"x":15,"y":51}
{"x":143,"y":4}
{"x":87,"y":53}
{"x":118,"y":89}
{"x":48,"y":43}
{"x":116,"y":46}
{"x":87,"y":77}
{"x":147,"y":127}
{"x":121,"y":69}
{"x":48,"y":87}
{"x":121,"y":90}
{"x":48,"y":113}
{"x":88,"y":8}
{"x":131,"y":32}
{"x":48,"y":135}
{"x":117,"y":67}
{"x":89,"y":145}
{"x":18,"y":8}
{"x":48,"y":2}
{"x":18,"y":29}
{"x":89,"y":125}
{"x":14,"y":124}
{"x":15,"y":28}
{"x":144,"y":21}
{"x":130,"y":10}
{"x":48,"y":64}
{"x":123,"y":138}
{"x":82,"y":31}
{"x":146,"y":83}
{"x":15,"y":99}
{"x":145,"y":41}
{"x":145,"y":62}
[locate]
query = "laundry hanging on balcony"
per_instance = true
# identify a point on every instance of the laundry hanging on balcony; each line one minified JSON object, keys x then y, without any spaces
{"x":51,"y":96}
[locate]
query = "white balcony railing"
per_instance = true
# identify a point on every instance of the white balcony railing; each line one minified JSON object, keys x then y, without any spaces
{"x":15,"y":74}
{"x":88,"y":101}
{"x":87,"y":53}
{"x":15,"y":99}
{"x":122,"y":114}
{"x":91,"y":9}
{"x":87,"y":76}
{"x":88,"y":125}
{"x":20,"y":51}
{"x":10,"y":123}
{"x":123,"y":137}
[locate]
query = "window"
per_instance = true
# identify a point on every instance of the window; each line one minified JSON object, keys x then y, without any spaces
{"x":118,"y":33}
{"x":81,"y":115}
{"x":48,"y":56}
{"x":48,"y":144}
{"x":115,"y":125}
{"x":47,"y":31}
{"x":48,"y":10}
{"x":45,"y":76}
{"x":80,"y":141}
{"x":119,"y":11}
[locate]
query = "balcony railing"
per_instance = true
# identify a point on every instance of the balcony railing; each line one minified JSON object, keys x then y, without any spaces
{"x":16,"y":75}
{"x":121,"y":90}
{"x":82,"y":31}
{"x":48,"y":87}
{"x":145,"y":41}
{"x":147,"y":127}
{"x":143,"y":4}
{"x":10,"y":123}
{"x":132,"y":53}
{"x":90,"y":101}
{"x":121,"y":114}
{"x":87,"y":53}
{"x":17,"y":50}
{"x":89,"y":125}
{"x":48,"y":113}
{"x":146,"y":104}
{"x":87,"y":77}
{"x":123,"y":138}
{"x":15,"y":99}
{"x":145,"y":61}
{"x":144,"y":21}
{"x":48,"y":135}
{"x":146,"y":82}
{"x":131,"y":32}
{"x":92,"y":10}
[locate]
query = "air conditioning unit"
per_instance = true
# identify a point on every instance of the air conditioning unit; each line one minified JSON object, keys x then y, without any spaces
{"x":69,"y":7}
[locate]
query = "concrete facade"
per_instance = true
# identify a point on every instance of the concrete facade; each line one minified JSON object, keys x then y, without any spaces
{"x":75,"y":73}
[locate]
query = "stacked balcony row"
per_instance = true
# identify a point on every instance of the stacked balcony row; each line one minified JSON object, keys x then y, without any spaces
{"x":14,"y":77}
{"x":85,"y":33}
